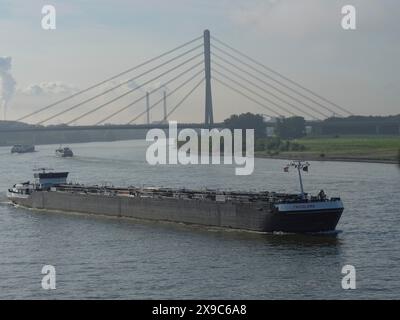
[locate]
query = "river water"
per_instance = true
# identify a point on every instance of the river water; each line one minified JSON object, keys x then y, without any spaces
{"x":116,"y":259}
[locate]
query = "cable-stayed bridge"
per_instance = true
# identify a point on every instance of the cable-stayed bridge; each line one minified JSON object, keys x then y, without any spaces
{"x":193,"y":66}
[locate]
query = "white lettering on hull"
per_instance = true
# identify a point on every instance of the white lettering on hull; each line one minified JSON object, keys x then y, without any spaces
{"x":311,"y":206}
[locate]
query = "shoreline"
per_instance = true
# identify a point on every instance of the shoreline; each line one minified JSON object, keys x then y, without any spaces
{"x":326,"y":158}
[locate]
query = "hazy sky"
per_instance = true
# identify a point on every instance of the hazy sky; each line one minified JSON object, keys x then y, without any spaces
{"x":303,"y":39}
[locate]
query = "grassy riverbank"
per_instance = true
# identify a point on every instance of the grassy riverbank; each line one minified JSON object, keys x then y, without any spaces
{"x":344,"y":148}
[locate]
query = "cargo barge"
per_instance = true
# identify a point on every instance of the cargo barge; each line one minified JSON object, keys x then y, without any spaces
{"x":256,"y":211}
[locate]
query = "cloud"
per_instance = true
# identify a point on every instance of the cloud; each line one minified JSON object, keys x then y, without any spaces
{"x":302,"y":19}
{"x":294,"y":19}
{"x":49,"y":88}
{"x":156,"y":85}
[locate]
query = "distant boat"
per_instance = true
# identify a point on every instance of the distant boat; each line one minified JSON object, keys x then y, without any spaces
{"x":19,"y":148}
{"x":64,"y":152}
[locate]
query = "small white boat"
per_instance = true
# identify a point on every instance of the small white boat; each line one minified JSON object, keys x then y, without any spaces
{"x":19,"y":148}
{"x":64,"y":152}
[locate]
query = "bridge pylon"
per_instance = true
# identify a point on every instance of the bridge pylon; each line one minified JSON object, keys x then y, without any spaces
{"x":209,"y":117}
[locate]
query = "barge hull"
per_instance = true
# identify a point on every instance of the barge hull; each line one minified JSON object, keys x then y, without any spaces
{"x":244,"y":216}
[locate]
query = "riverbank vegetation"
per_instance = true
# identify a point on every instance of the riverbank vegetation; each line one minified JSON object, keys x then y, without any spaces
{"x":291,"y":142}
{"x":356,"y":148}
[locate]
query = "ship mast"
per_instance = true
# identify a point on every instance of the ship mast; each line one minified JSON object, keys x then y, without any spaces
{"x":299,"y":165}
{"x":301,"y":180}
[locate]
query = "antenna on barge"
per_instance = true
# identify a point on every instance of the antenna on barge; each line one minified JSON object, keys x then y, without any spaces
{"x":300,"y":166}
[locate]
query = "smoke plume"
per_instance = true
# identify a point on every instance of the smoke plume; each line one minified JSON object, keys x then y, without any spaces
{"x":7,"y":83}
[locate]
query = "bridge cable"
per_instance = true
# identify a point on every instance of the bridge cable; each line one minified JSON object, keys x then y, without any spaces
{"x":154,"y":90}
{"x":134,"y":89}
{"x":109,"y":79}
{"x":264,"y":90}
{"x":247,"y":96}
{"x":282,"y":76}
{"x":184,"y":98}
{"x":128,"y":92}
{"x":269,"y":85}
{"x":160,"y":100}
{"x":277,"y":81}
{"x":121,"y":84}
{"x":253,"y":92}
